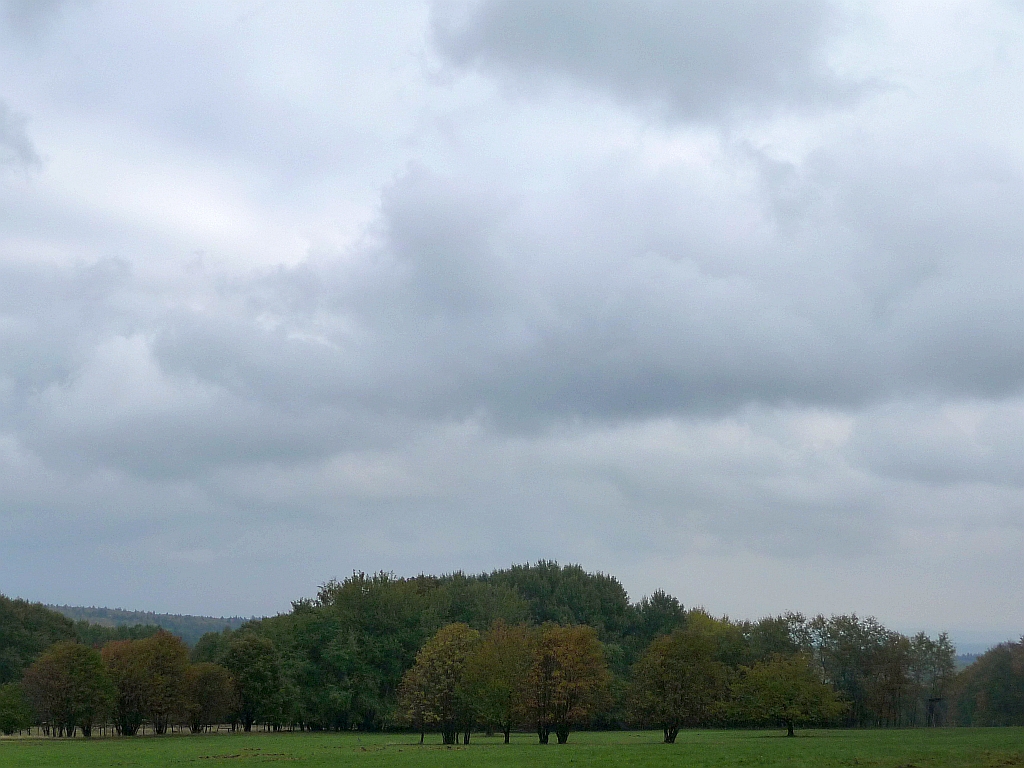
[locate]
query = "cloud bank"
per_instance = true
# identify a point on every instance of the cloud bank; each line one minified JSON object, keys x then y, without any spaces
{"x":718,"y":298}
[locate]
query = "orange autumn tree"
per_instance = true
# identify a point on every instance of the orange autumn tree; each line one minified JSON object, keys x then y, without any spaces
{"x":568,"y":682}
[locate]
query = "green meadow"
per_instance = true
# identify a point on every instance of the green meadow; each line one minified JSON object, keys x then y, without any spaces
{"x":920,"y":748}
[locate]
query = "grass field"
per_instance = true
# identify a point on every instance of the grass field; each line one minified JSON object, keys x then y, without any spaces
{"x":888,"y":749}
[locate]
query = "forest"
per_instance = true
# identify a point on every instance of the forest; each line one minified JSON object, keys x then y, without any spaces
{"x":543,"y":648}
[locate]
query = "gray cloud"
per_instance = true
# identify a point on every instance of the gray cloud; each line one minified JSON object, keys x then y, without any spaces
{"x":31,"y":18}
{"x":16,"y":149}
{"x":698,"y":59}
{"x":312,"y":310}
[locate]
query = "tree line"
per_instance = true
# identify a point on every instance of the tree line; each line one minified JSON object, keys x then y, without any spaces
{"x":188,"y":628}
{"x":544,"y":647}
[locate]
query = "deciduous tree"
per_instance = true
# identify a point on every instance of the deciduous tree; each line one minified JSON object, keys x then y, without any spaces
{"x":568,"y":682}
{"x":786,"y":691}
{"x":496,"y":675}
{"x":68,"y":688}
{"x":679,"y":681}
{"x":26,"y":631}
{"x":433,"y":688}
{"x":256,"y":670}
{"x":209,"y":695}
{"x":125,"y":662}
{"x":166,"y":659}
{"x":15,"y":711}
{"x":991,"y":690}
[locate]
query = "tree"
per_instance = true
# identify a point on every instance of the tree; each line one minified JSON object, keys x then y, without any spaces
{"x":933,"y":672}
{"x":125,"y":662}
{"x":867,"y":664}
{"x":255,"y":667}
{"x":212,"y":647}
{"x":68,"y":688}
{"x":991,"y":690}
{"x":412,"y":700}
{"x":15,"y":711}
{"x":679,"y":681}
{"x":568,"y":595}
{"x":354,"y":643}
{"x":98,"y":635}
{"x":568,"y":681}
{"x":889,"y":684}
{"x":166,"y":660}
{"x":26,"y":631}
{"x":432,"y":690}
{"x":496,"y":675}
{"x":773,"y":636}
{"x":458,"y":598}
{"x":209,"y":695}
{"x":788,"y":691}
{"x":654,"y":616}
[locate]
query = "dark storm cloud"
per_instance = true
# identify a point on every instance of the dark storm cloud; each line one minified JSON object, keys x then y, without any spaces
{"x":700,"y":59}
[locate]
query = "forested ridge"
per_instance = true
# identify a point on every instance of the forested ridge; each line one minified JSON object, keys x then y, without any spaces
{"x":188,"y":628}
{"x":542,"y":647}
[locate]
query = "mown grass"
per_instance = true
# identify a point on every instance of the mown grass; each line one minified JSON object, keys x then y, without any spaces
{"x":935,"y":748}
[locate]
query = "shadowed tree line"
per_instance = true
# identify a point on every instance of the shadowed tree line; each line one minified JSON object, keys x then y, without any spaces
{"x":542,"y":647}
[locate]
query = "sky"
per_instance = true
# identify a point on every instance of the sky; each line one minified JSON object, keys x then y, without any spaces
{"x":716,"y":296}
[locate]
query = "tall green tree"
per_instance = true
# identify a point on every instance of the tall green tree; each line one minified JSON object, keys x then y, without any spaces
{"x":570,"y":595}
{"x":787,"y":691}
{"x":655,"y":615}
{"x":255,"y":667}
{"x":68,"y":688}
{"x":364,"y":634}
{"x":457,"y":598}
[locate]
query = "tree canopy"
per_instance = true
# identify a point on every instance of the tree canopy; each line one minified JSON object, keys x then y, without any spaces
{"x":788,"y":691}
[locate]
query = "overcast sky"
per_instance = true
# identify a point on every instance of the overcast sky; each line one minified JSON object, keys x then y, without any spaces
{"x":719,"y":297}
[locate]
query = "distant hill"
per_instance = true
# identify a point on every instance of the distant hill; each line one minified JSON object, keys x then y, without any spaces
{"x":965,"y":660}
{"x":188,"y":628}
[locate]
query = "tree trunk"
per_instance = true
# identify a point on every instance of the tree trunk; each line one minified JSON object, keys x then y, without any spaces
{"x":423,"y":735}
{"x":670,"y":734}
{"x":789,"y":729}
{"x":562,"y":733}
{"x":507,"y":732}
{"x":542,"y":733}
{"x":465,"y":737}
